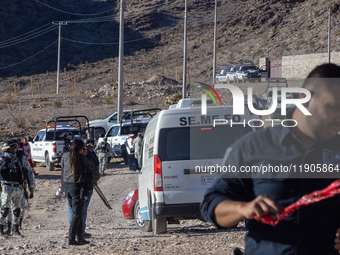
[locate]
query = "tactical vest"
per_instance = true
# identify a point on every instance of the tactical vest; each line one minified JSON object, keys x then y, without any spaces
{"x":102,"y":147}
{"x":12,"y":171}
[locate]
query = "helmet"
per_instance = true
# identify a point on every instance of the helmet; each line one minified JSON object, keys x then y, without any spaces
{"x":10,"y":144}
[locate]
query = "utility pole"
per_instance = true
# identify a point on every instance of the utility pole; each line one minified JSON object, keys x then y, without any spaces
{"x":184,"y":90}
{"x":121,"y":63}
{"x":215,"y":31}
{"x":329,"y":35}
{"x":60,"y":23}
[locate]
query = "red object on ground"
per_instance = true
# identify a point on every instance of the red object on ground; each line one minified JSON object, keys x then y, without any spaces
{"x":316,"y":196}
{"x":129,"y":205}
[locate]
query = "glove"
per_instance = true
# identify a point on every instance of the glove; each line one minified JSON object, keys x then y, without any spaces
{"x":31,"y":195}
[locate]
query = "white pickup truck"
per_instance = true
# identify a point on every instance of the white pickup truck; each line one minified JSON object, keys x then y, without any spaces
{"x":121,"y":136}
{"x":47,"y":145}
{"x":47,"y":149}
{"x":101,"y":126}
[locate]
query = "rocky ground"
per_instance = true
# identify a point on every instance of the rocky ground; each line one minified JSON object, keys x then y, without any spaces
{"x":46,"y":222}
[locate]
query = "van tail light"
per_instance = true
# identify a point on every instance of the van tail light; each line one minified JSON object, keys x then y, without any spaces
{"x":132,"y":137}
{"x":54,"y":147}
{"x":157,"y":167}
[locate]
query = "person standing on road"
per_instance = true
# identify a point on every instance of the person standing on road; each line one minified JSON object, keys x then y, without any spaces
{"x":27,"y":151}
{"x":137,"y":145}
{"x":27,"y":170}
{"x":311,"y":229}
{"x":12,"y":180}
{"x":73,"y":165}
{"x":90,"y":141}
{"x":94,"y":176}
{"x":103,"y":148}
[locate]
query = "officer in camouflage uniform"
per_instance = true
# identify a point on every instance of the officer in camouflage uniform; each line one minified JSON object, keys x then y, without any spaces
{"x":26,"y":166}
{"x":103,"y":148}
{"x":12,"y":180}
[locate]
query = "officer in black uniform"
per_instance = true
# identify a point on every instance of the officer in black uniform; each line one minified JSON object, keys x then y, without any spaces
{"x":12,"y":180}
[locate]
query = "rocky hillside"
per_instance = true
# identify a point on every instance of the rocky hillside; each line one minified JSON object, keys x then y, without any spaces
{"x":247,"y":29}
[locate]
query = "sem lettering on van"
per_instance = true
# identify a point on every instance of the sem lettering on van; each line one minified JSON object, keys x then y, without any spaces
{"x":206,"y":119}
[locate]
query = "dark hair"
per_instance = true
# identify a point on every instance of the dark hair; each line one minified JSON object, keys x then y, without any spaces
{"x":76,"y":146}
{"x":322,"y":77}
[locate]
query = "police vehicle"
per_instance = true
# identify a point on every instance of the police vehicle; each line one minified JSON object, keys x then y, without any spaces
{"x":47,"y":145}
{"x":121,"y":136}
{"x":176,"y":143}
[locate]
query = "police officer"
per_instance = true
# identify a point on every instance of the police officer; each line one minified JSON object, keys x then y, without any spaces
{"x":137,"y":145}
{"x":28,"y":171}
{"x":12,"y":180}
{"x":103,"y":148}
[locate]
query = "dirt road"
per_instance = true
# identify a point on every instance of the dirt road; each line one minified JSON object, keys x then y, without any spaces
{"x":46,"y":222}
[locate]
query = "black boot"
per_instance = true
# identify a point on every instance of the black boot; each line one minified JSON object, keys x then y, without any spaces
{"x":81,"y":240}
{"x":2,"y":234}
{"x":9,"y":229}
{"x":72,"y":241}
{"x":16,"y":232}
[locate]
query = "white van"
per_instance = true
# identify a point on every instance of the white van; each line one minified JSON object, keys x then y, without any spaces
{"x":175,"y":142}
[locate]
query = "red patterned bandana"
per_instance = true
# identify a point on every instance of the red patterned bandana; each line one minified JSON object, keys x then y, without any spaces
{"x":316,"y":196}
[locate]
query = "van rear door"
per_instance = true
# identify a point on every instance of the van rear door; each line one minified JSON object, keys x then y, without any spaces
{"x":184,"y":151}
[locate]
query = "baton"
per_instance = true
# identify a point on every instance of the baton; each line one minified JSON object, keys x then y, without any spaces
{"x":101,"y":195}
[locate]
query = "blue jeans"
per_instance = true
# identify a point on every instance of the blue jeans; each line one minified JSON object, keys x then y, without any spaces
{"x":86,"y":205}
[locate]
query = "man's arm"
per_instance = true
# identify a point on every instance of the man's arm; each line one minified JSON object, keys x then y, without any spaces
{"x":228,"y":212}
{"x":31,"y":178}
{"x":109,"y":148}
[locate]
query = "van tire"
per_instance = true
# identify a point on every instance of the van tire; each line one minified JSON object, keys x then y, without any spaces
{"x":49,"y":165}
{"x":159,"y":225}
{"x":143,"y":225}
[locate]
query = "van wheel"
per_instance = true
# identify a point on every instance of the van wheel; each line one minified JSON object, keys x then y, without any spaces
{"x":34,"y":163}
{"x":143,"y":225}
{"x":49,"y":165}
{"x":159,"y":225}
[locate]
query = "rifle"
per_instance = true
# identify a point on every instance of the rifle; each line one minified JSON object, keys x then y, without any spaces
{"x":26,"y":196}
{"x":101,"y":195}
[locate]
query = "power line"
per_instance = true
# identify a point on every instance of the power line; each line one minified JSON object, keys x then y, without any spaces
{"x":29,"y":57}
{"x":5,"y":45}
{"x":13,"y":42}
{"x":71,"y":40}
{"x":93,"y":20}
{"x":77,"y":14}
{"x":24,"y":33}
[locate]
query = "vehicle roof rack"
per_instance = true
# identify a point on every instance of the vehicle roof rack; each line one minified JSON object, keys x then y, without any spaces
{"x":63,"y":119}
{"x":145,"y":112}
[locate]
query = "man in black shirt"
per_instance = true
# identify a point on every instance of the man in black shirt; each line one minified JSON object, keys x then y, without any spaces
{"x":311,"y":229}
